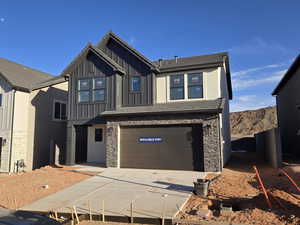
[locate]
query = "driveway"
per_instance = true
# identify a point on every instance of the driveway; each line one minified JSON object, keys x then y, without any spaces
{"x":150,"y":191}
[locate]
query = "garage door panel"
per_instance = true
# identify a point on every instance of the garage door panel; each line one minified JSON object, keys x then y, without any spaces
{"x":175,"y":151}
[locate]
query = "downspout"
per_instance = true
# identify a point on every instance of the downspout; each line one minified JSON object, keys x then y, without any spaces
{"x":11,"y":130}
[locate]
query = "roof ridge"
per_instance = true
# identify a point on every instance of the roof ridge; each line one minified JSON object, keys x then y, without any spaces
{"x":19,"y":64}
{"x":189,"y":57}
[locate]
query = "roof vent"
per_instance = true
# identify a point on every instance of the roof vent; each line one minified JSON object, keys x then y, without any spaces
{"x":159,"y":62}
{"x":176,"y":58}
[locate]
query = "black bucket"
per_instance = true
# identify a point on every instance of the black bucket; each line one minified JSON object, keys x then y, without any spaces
{"x":201,"y":187}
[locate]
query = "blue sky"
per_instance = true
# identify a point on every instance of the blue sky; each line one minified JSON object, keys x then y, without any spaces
{"x":262,"y":37}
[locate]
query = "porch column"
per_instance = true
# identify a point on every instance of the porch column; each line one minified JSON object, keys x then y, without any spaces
{"x":71,"y":146}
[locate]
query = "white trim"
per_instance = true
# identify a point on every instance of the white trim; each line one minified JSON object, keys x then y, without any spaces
{"x":219,"y":82}
{"x":53,"y":109}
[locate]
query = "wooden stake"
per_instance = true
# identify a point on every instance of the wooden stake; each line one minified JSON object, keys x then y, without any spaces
{"x":163,"y":213}
{"x":131,"y":212}
{"x":90,"y":209}
{"x":103,"y":215}
{"x":76,"y":215}
{"x":56,"y":217}
{"x":72,"y":216}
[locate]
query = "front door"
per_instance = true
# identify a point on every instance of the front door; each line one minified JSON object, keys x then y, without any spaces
{"x":96,"y":144}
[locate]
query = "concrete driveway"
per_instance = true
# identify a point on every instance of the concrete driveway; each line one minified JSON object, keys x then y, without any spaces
{"x":150,"y":191}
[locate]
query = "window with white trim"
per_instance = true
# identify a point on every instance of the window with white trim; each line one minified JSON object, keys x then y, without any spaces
{"x":177,"y":87}
{"x":91,"y":90}
{"x":186,"y":86}
{"x":59,"y":110}
{"x":195,"y":85}
{"x":99,"y":89}
{"x":84,"y":86}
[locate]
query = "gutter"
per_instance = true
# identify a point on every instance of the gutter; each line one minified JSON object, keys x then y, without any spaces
{"x":11,"y":130}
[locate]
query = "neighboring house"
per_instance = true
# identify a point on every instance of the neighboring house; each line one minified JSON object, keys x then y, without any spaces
{"x":288,"y":109}
{"x":32,"y":116}
{"x":126,"y":111}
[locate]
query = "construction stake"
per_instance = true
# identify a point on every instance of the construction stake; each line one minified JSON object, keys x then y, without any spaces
{"x":163,"y":213}
{"x":262,"y":187}
{"x":290,"y":179}
{"x":56,"y":216}
{"x":103,"y":214}
{"x":72,"y":216}
{"x":76,"y":215}
{"x":131,"y":212}
{"x":90,"y":209}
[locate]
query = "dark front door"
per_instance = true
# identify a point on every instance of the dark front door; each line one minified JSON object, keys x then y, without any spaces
{"x":81,"y":144}
{"x":162,"y":147}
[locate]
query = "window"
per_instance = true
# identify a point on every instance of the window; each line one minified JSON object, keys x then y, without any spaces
{"x":98,"y":135}
{"x":99,"y":89}
{"x":177,"y":87}
{"x":60,"y":110}
{"x":195,"y":85}
{"x":84,"y":90}
{"x":135,"y":84}
{"x":0,"y":99}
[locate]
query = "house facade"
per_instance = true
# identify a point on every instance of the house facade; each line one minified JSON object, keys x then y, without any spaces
{"x":126,"y":111}
{"x":288,"y":109}
{"x":29,"y":128}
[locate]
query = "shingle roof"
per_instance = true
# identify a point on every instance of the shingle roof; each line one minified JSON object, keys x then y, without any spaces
{"x":291,"y":71}
{"x":207,"y":106}
{"x":206,"y":60}
{"x":21,"y":77}
{"x":49,"y":82}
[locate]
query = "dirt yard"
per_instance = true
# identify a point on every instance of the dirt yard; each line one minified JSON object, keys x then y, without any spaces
{"x":238,"y":187}
{"x":17,"y":190}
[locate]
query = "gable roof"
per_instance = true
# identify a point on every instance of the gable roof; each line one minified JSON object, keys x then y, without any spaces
{"x":291,"y":71}
{"x":110,"y":35}
{"x":198,"y":62}
{"x":21,"y":77}
{"x":52,"y":81}
{"x":89,"y":47}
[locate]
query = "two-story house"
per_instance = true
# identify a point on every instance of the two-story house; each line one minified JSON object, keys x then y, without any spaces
{"x":32,"y":116}
{"x":126,"y":111}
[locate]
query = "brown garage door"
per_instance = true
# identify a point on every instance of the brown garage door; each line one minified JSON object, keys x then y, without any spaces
{"x":162,"y":147}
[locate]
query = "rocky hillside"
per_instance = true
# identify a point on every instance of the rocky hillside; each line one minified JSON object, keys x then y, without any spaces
{"x":250,"y":122}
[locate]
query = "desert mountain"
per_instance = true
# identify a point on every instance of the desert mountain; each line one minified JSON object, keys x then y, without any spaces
{"x":250,"y":122}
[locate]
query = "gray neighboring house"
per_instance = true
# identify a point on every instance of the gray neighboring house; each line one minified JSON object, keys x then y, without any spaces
{"x":126,"y":111}
{"x":287,"y":95}
{"x":32,"y":121}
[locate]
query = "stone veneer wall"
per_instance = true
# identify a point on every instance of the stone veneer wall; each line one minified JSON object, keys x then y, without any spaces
{"x":211,"y":135}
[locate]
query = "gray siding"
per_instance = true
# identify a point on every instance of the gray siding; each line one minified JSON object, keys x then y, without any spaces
{"x":5,"y":122}
{"x":6,"y":108}
{"x":288,"y":110}
{"x":133,"y":67}
{"x":91,"y":67}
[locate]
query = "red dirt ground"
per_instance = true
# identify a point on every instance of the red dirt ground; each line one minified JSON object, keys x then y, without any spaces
{"x":17,"y":190}
{"x":238,"y":186}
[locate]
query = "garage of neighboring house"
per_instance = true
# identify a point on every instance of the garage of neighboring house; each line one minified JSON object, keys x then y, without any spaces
{"x":174,"y":147}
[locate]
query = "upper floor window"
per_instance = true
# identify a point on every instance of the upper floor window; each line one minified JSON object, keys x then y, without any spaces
{"x":91,"y":89}
{"x":195,"y":85}
{"x":84,"y":90}
{"x":99,"y":89}
{"x":177,"y":87}
{"x":135,"y":84}
{"x":60,"y":110}
{"x":0,"y":100}
{"x":186,"y":86}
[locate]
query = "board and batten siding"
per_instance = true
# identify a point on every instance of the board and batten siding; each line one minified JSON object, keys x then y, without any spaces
{"x":133,"y":67}
{"x":5,"y":122}
{"x":91,"y":67}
